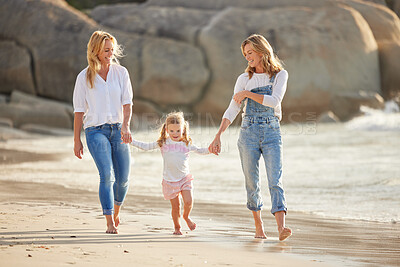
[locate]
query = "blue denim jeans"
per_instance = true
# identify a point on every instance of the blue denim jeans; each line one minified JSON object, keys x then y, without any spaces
{"x":113,"y":161}
{"x":261,"y":136}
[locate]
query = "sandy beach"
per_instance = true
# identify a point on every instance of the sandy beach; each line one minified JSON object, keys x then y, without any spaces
{"x":49,"y":225}
{"x":46,"y":224}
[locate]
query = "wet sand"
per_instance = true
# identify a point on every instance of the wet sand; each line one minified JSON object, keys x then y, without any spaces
{"x":45,"y":224}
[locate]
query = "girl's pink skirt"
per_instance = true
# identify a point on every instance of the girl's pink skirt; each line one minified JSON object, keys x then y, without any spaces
{"x":172,"y":189}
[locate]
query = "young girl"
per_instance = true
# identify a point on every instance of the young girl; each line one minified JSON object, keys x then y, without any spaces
{"x":175,"y":145}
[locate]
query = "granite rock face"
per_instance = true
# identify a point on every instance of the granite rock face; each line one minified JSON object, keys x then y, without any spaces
{"x":185,"y":54}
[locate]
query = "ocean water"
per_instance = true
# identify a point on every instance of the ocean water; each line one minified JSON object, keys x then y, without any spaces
{"x":346,"y":170}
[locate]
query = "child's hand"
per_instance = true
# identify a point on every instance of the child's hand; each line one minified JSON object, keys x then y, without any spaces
{"x":126,"y":135}
{"x":215,"y":146}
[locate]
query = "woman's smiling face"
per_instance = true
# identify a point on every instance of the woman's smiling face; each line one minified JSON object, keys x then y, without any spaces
{"x":253,"y":58}
{"x":106,"y":54}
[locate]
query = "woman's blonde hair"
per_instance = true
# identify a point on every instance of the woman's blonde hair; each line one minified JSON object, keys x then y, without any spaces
{"x":174,"y":118}
{"x":270,"y":62}
{"x":94,"y":47}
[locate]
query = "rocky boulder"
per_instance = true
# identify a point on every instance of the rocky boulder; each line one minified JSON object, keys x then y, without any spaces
{"x":173,"y":72}
{"x":384,"y":23}
{"x":22,"y":114}
{"x":347,"y":105}
{"x":55,"y":35}
{"x":18,"y":97}
{"x":389,"y":68}
{"x":15,"y":68}
{"x":177,"y":23}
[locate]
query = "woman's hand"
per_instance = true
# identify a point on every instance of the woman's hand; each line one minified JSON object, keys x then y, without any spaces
{"x":78,"y":149}
{"x":215,"y":146}
{"x":239,"y":97}
{"x":126,"y":135}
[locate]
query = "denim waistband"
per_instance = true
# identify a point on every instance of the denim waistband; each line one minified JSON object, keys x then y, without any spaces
{"x":258,"y":119}
{"x":111,"y":125}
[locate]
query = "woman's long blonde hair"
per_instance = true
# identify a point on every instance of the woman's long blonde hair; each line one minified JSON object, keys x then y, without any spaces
{"x":174,"y":118}
{"x":271,"y":63}
{"x":94,"y":47}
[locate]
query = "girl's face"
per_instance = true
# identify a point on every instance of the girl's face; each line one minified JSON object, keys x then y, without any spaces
{"x":253,"y":58}
{"x":175,"y":132}
{"x":106,"y":54}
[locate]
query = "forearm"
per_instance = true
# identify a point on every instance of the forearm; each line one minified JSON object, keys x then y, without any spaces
{"x":127,"y":112}
{"x":78,"y":122}
{"x":224,"y":125}
{"x":259,"y":98}
{"x":145,"y":146}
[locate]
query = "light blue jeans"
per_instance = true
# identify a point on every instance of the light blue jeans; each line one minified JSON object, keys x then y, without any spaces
{"x":113,"y":161}
{"x":261,"y":136}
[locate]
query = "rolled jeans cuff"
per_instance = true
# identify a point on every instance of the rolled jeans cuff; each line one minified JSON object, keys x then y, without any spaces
{"x":118,"y":203}
{"x":108,"y":212}
{"x":273,"y":211}
{"x":254,"y":208}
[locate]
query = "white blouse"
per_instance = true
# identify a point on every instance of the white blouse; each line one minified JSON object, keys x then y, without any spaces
{"x":259,"y":80}
{"x":103,"y":103}
{"x":175,"y":156}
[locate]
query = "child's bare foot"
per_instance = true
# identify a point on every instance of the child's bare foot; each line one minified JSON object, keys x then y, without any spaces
{"x":260,"y":231}
{"x":177,"y":231}
{"x":191,"y":224}
{"x":111,"y":229}
{"x":284,"y":233}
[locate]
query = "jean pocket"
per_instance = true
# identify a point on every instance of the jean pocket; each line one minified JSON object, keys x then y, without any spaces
{"x":245,"y":125}
{"x":274,"y":124}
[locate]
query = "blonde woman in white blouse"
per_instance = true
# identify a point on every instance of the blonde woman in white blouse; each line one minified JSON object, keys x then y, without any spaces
{"x":103,"y":105}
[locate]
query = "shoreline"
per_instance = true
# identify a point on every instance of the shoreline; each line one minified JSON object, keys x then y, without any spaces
{"x":224,"y":231}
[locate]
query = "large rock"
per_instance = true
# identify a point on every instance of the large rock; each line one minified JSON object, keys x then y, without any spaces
{"x":145,"y":115}
{"x":390,"y":69}
{"x":15,"y":68}
{"x":326,"y":51}
{"x":173,"y":72}
{"x":254,"y":4}
{"x":23,"y":114}
{"x":177,"y":23}
{"x":47,"y":104}
{"x":384,"y":23}
{"x":46,"y":130}
{"x":347,"y":105}
{"x":55,"y":34}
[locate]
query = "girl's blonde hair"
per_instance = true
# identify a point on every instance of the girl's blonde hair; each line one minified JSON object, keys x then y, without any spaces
{"x":94,"y":47}
{"x":174,"y":118}
{"x":270,"y":62}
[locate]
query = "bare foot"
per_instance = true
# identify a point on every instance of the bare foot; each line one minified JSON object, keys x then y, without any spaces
{"x":260,"y":231}
{"x":116,"y":220}
{"x":284,"y":233}
{"x":111,"y":229}
{"x":191,"y":224}
{"x":177,"y":231}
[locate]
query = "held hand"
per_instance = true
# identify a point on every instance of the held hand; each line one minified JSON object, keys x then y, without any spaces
{"x":215,"y":146}
{"x":239,"y":97}
{"x":78,"y":149}
{"x":126,"y":135}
